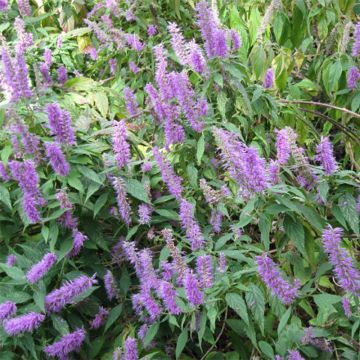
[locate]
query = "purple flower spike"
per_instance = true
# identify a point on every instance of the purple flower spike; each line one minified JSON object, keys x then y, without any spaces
{"x":346,"y":306}
{"x":130,"y":349}
{"x":23,"y":323}
{"x":99,"y":318}
{"x":7,"y":309}
{"x":353,"y":77}
{"x":205,"y":271}
{"x":123,"y":205}
{"x":130,"y":101}
{"x":269,"y":79}
{"x":324,"y":154}
{"x":78,"y":241}
{"x":11,"y":260}
{"x":295,"y":355}
{"x":192,"y":291}
{"x":235,"y":39}
{"x":178,"y":44}
{"x":144,"y":211}
{"x":62,"y":74}
{"x":356,"y":45}
{"x":151,"y":30}
{"x":271,"y":276}
{"x":121,"y":148}
{"x":67,"y":344}
{"x":41,"y":268}
{"x":110,"y":287}
{"x":58,"y":298}
{"x":168,"y":295}
{"x":57,"y":159}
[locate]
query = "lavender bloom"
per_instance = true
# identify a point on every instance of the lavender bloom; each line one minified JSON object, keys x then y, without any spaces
{"x":45,"y":72}
{"x":346,"y":306}
{"x":68,"y":343}
{"x":3,"y":5}
{"x":23,"y":323}
{"x":110,"y":286}
{"x":169,"y":177}
{"x":178,"y":43}
{"x":216,"y":220}
{"x":151,"y":30}
{"x":271,"y":276}
{"x":278,"y":357}
{"x":211,"y":196}
{"x":192,"y":291}
{"x":144,"y":211}
{"x":205,"y":270}
{"x":78,"y":241}
{"x":113,"y":6}
{"x":134,"y":42}
{"x":9,"y":73}
{"x":93,"y":53}
{"x":295,"y":355}
{"x":7,"y":309}
{"x":167,"y":270}
{"x":121,"y":148}
{"x":24,"y":7}
{"x":133,"y":68}
{"x":62,"y":74}
{"x":63,"y":199}
{"x":146,"y":167}
{"x":130,"y":349}
{"x":152,"y":307}
{"x":235,"y":39}
{"x":222,"y":263}
{"x":25,"y":39}
{"x":59,"y":41}
{"x":68,"y":220}
{"x":11,"y":260}
{"x":113,"y":65}
{"x":30,"y":141}
{"x":99,"y":318}
{"x":22,"y":75}
{"x":107,"y":21}
{"x":347,"y":274}
{"x":41,"y":268}
{"x":3,"y":174}
{"x":60,"y":124}
{"x":160,"y":73}
{"x":145,"y":271}
{"x":57,"y":159}
{"x":269,"y":79}
{"x":274,"y":172}
{"x":58,"y":298}
{"x":168,"y":295}
{"x":324,"y":154}
{"x":99,"y":33}
{"x":129,"y":15}
{"x":191,"y":226}
{"x":284,"y":139}
{"x":195,"y":58}
{"x":243,"y":163}
{"x":123,"y":206}
{"x":358,"y":204}
{"x":352,"y":77}
{"x":221,"y":49}
{"x":309,"y":338}
{"x":356,"y":45}
{"x":130,"y":101}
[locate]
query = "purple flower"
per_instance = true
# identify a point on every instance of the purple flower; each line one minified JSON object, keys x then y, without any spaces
{"x":356,"y":45}
{"x":60,"y":124}
{"x":123,"y":206}
{"x":113,"y":65}
{"x":66,"y":294}
{"x":63,"y":199}
{"x":169,"y":177}
{"x":191,"y":226}
{"x":146,"y":167}
{"x":220,"y":49}
{"x":23,"y":323}
{"x":7,"y":309}
{"x":121,"y":148}
{"x":11,"y":260}
{"x":130,"y":349}
{"x":3,"y":174}
{"x":178,"y":44}
{"x":68,"y":220}
{"x":192,"y":291}
{"x":235,"y":39}
{"x":67,"y":344}
{"x":110,"y":287}
{"x":99,"y":318}
{"x":133,"y":68}
{"x":93,"y":53}
{"x":216,"y":220}
{"x":358,"y":204}
{"x":324,"y":154}
{"x":3,"y":5}
{"x":167,"y":270}
{"x":352,"y":77}
{"x":222,"y":263}
{"x":284,"y":141}
{"x":347,"y":274}
{"x":106,"y":19}
{"x":295,"y":355}
{"x":130,"y":101}
{"x":151,"y":30}
{"x":22,"y":75}
{"x":204,"y":269}
{"x":274,"y":172}
{"x":78,"y":241}
{"x":57,"y":159}
{"x":129,"y":15}
{"x":41,"y":268}
{"x":269,"y":79}
{"x":24,"y":7}
{"x":25,"y":39}
{"x":346,"y":306}
{"x":62,"y":74}
{"x":168,"y":295}
{"x":271,"y":276}
{"x":243,"y":163}
{"x":30,"y":142}
{"x":211,"y":196}
{"x":48,"y":57}
{"x":145,"y":271}
{"x":144,"y":211}
{"x":195,"y":58}
{"x":134,"y":42}
{"x":96,"y":29}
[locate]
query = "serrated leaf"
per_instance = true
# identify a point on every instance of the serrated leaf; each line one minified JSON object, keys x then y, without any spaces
{"x":136,"y":189}
{"x":151,"y":333}
{"x":266,"y":349}
{"x":102,"y":103}
{"x":237,"y":303}
{"x":60,"y":325}
{"x":283,"y":321}
{"x":256,"y":302}
{"x":180,"y":345}
{"x":347,"y":205}
{"x":200,"y":149}
{"x":5,"y":196}
{"x":295,"y":232}
{"x":13,"y":272}
{"x":100,"y":202}
{"x":113,"y":316}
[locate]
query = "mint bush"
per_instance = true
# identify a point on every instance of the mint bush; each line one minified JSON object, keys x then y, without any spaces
{"x":179,"y":180}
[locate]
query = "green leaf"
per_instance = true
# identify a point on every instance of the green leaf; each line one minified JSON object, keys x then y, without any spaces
{"x":347,"y":205}
{"x":169,"y":214}
{"x":151,"y":333}
{"x":60,"y":325}
{"x":13,"y":272}
{"x":295,"y":231}
{"x":102,"y":103}
{"x":200,"y":149}
{"x":265,"y":227}
{"x":283,"y":321}
{"x":221,"y":104}
{"x":266,"y":349}
{"x":5,"y":196}
{"x":91,"y":175}
{"x":136,"y":189}
{"x":100,"y":202}
{"x":256,"y":302}
{"x":237,"y":303}
{"x":180,"y":345}
{"x":113,"y":316}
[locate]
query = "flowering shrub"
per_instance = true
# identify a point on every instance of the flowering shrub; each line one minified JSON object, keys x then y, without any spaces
{"x":179,"y":180}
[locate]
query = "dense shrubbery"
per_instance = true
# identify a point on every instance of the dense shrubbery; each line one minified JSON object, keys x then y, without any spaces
{"x":179,"y":179}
